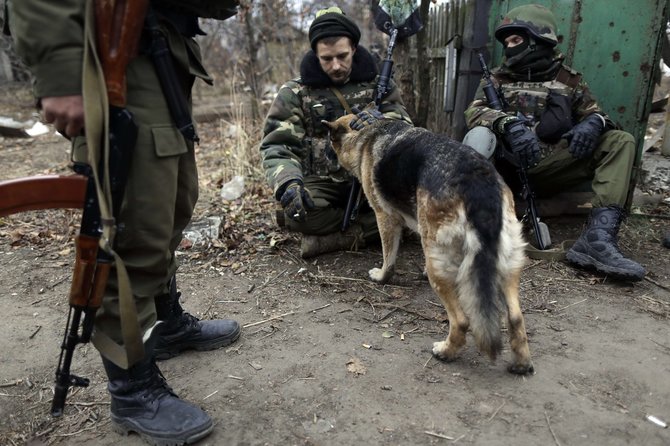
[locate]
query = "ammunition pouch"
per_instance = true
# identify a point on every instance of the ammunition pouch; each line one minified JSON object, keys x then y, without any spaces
{"x":556,"y":119}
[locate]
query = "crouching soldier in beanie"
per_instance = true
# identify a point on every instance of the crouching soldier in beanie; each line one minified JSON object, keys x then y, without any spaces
{"x":337,"y":76}
{"x":559,"y":133}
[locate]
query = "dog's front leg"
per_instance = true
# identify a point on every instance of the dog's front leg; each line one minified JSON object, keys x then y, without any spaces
{"x":390,"y":230}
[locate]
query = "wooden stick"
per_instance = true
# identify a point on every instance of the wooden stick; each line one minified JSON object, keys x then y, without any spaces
{"x":550,"y":429}
{"x":435,"y":434}
{"x":267,"y":320}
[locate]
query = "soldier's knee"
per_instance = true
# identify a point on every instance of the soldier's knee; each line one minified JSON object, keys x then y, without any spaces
{"x":619,"y":138}
{"x":482,"y":140}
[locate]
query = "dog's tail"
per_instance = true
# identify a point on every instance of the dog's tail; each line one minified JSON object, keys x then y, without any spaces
{"x":479,"y":276}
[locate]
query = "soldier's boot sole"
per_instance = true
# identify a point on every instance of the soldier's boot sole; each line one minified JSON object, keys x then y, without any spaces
{"x":587,"y":262}
{"x":125,"y":426}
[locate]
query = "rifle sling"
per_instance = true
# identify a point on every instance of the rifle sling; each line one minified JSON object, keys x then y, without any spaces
{"x":96,"y":110}
{"x":343,"y":102}
{"x":554,"y":254}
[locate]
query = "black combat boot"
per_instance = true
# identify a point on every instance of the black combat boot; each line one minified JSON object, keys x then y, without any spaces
{"x":666,"y":240}
{"x":596,"y":248}
{"x":143,"y":403}
{"x":182,"y":331}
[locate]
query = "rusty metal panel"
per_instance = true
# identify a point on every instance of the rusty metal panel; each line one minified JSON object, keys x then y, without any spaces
{"x":614,"y":43}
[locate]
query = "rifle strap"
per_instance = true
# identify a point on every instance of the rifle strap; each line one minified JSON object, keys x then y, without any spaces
{"x":552,"y":254}
{"x":343,"y":102}
{"x":96,"y":111}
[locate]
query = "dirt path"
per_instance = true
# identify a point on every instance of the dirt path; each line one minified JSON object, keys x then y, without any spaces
{"x":329,"y":358}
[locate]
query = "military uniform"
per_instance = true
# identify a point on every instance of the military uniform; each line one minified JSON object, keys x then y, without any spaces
{"x":160,"y":195}
{"x":551,"y":126}
{"x":294,"y":142}
{"x":609,"y":169}
{"x":162,"y":187}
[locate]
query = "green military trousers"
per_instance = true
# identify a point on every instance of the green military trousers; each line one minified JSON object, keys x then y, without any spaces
{"x":330,"y":199}
{"x":609,"y":169}
{"x":160,"y":196}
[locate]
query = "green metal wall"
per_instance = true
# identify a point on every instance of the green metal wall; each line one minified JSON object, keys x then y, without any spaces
{"x":614,"y":43}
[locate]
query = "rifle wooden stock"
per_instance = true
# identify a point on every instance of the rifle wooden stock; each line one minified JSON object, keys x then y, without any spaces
{"x":118,"y":26}
{"x":42,"y":192}
{"x":90,"y":275}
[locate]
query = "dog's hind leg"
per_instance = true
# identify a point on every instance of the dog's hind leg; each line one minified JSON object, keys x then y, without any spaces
{"x":390,"y":231}
{"x":521,"y":363}
{"x":458,"y":322}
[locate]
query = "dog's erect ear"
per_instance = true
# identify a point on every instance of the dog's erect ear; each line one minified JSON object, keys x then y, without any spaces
{"x":371,"y":106}
{"x":335,"y":129}
{"x":331,"y":125}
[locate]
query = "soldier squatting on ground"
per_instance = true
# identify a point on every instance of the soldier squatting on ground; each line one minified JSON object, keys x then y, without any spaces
{"x":336,"y":76}
{"x":562,"y":137}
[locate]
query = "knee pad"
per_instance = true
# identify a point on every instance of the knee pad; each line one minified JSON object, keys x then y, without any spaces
{"x":482,"y":140}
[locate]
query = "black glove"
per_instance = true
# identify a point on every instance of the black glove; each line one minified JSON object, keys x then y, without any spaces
{"x":296,"y":200}
{"x":522,"y":142}
{"x":584,"y":136}
{"x":364,"y":118}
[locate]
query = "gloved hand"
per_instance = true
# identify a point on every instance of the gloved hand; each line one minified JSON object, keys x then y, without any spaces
{"x":584,"y":136}
{"x":522,"y":142}
{"x":296,"y":200}
{"x":364,"y":118}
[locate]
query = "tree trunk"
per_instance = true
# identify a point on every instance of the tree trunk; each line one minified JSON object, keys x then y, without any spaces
{"x":404,"y":76}
{"x":423,"y":61}
{"x":252,"y":65}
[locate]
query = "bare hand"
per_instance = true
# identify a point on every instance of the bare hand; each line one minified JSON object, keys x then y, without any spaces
{"x":66,"y":113}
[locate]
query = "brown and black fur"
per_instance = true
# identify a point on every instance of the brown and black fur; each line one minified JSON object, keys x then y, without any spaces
{"x":464,"y":213}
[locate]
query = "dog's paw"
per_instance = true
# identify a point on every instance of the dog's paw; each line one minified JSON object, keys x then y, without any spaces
{"x":521,"y":369}
{"x":378,"y":275}
{"x":442,"y":351}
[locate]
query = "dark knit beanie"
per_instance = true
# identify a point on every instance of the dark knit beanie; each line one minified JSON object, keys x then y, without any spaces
{"x":332,"y":22}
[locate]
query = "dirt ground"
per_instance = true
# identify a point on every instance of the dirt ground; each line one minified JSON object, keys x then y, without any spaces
{"x":327,"y":357}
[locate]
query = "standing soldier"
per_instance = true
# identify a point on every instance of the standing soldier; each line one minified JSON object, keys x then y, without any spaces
{"x":160,"y":194}
{"x":555,"y":127}
{"x":336,"y":76}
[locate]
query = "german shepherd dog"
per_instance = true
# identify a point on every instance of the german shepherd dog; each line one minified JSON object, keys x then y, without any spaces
{"x":464,"y":213}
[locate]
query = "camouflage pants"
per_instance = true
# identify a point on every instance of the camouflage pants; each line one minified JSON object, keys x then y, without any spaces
{"x":608,"y":169}
{"x":330,"y":199}
{"x":160,"y":196}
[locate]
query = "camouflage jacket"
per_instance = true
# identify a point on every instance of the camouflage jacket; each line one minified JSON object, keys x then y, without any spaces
{"x":294,"y":140}
{"x":531,"y":99}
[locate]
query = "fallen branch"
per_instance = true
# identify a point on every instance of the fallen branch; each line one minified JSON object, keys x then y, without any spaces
{"x":407,"y":310}
{"x":660,"y":285}
{"x":496,"y":412}
{"x":279,"y":316}
{"x":435,"y":434}
{"x":550,"y":429}
{"x":318,"y":308}
{"x":574,"y":303}
{"x":92,"y":403}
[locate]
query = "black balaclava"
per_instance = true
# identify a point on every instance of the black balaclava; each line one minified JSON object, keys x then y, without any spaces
{"x":534,"y":59}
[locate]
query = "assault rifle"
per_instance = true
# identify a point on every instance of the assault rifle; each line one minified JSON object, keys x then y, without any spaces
{"x":496,"y":101}
{"x":118,"y":28}
{"x":355,"y":193}
{"x":399,"y":20}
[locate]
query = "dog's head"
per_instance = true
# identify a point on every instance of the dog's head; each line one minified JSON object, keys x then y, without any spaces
{"x":342,"y":140}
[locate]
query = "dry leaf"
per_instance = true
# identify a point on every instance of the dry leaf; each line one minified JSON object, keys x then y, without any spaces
{"x":354,"y":366}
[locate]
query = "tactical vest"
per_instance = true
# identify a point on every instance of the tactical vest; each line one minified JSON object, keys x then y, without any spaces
{"x":530,"y":98}
{"x":321,"y":103}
